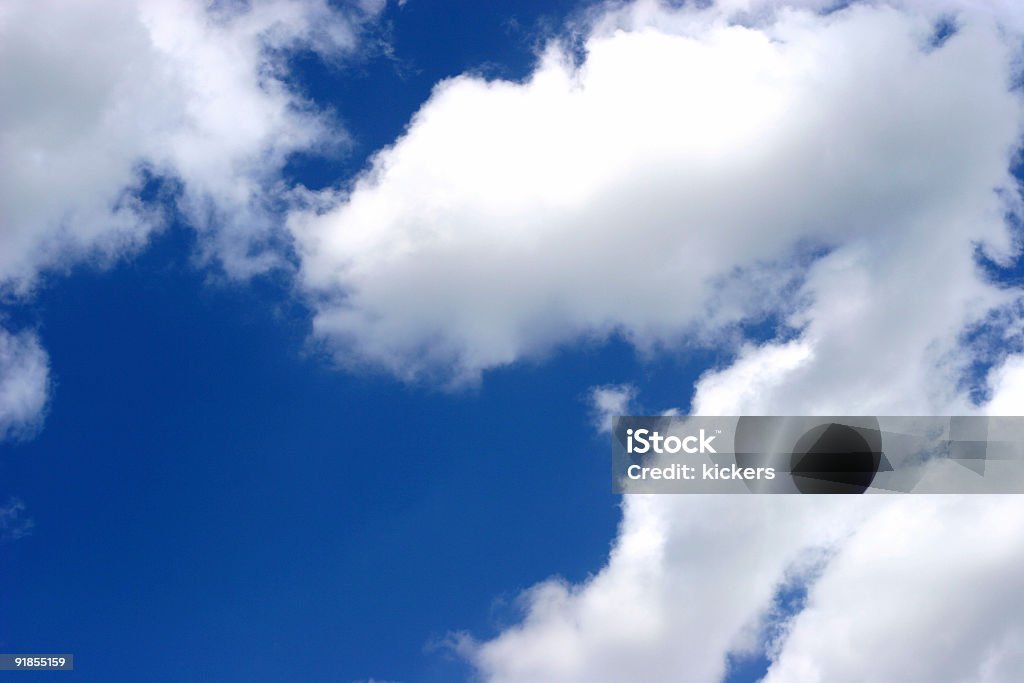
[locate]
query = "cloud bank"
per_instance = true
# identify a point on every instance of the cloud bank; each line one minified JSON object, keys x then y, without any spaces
{"x":682,"y":171}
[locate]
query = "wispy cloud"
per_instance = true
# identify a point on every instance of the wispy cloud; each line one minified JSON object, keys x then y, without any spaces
{"x":24,"y":384}
{"x":13,"y":522}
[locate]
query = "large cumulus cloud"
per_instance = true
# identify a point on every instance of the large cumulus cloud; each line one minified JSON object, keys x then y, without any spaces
{"x":685,"y":170}
{"x":678,"y":173}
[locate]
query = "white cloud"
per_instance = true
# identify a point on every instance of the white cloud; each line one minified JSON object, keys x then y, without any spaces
{"x":1007,"y":383}
{"x":95,"y":95}
{"x":670,"y":185}
{"x":717,"y":150}
{"x":24,"y":384}
{"x":928,"y":589}
{"x":13,"y":522}
{"x":608,"y":401}
{"x":685,"y":583}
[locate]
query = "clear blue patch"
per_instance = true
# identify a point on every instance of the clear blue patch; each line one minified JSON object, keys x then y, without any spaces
{"x":790,"y":599}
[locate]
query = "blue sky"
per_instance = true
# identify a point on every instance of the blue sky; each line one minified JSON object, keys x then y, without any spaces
{"x":239,"y":501}
{"x":320,"y":307}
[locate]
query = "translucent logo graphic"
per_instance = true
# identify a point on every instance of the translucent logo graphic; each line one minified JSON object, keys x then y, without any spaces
{"x":815,"y":455}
